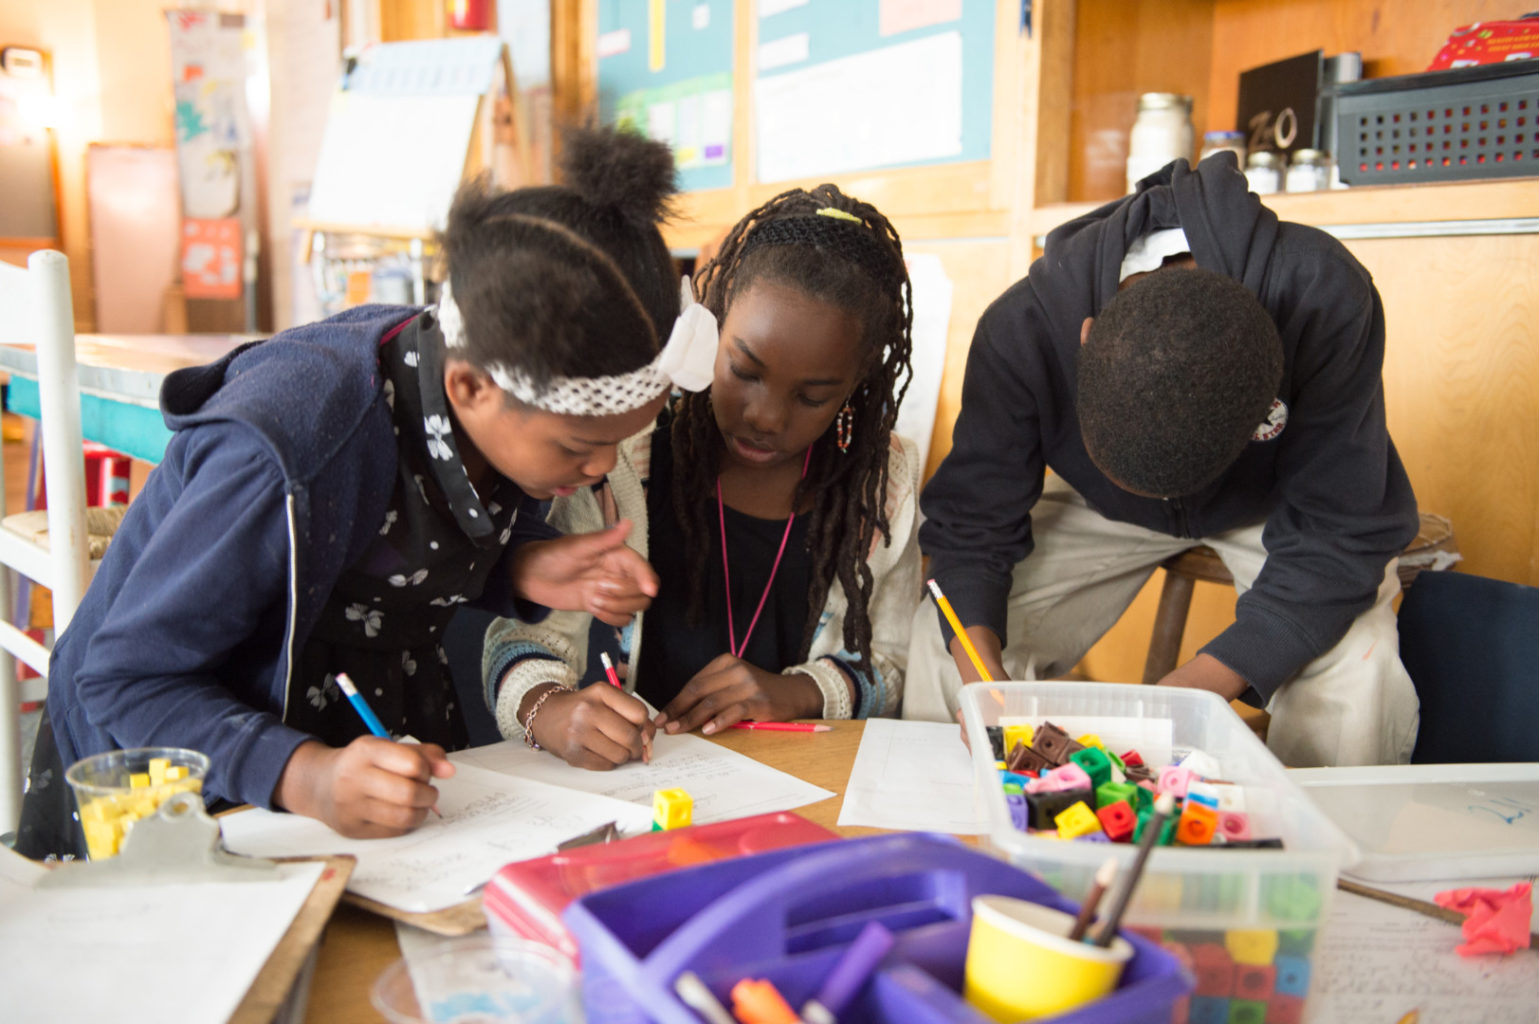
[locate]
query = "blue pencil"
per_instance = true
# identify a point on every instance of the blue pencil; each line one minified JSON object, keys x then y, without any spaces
{"x":360,"y":705}
{"x":366,"y":713}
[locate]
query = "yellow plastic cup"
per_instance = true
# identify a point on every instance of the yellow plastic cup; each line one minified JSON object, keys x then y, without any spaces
{"x":1021,"y":964}
{"x":117,"y":788}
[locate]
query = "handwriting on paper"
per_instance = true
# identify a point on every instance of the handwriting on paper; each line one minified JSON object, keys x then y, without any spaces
{"x":488,"y":820}
{"x":1378,"y":963}
{"x":722,"y":783}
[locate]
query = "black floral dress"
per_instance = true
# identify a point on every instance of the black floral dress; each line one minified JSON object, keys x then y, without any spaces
{"x":437,"y":546}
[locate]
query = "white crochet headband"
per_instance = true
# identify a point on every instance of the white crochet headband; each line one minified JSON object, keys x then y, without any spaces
{"x":687,"y":362}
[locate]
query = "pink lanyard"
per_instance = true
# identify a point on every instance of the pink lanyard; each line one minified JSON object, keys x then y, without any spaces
{"x":721,"y":514}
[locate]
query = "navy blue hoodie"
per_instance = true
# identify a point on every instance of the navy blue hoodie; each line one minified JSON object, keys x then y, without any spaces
{"x":1335,"y":499}
{"x":276,"y":479}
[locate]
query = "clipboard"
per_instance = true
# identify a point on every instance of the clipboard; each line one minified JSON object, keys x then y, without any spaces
{"x":281,"y":989}
{"x":179,"y":846}
{"x":460,"y":919}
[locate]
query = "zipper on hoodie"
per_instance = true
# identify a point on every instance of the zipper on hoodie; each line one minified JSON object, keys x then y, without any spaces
{"x":1177,"y":511}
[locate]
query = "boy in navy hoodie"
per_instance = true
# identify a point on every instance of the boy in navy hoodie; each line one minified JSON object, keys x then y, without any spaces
{"x":332,"y":494}
{"x":1193,"y":371}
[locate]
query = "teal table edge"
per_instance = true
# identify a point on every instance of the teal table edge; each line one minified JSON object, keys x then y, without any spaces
{"x":131,"y":429}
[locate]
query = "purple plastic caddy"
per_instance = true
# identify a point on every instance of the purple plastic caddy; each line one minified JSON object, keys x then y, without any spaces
{"x":788,"y":915}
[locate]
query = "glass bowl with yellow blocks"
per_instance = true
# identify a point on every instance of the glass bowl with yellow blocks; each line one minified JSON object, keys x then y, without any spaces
{"x":117,"y":788}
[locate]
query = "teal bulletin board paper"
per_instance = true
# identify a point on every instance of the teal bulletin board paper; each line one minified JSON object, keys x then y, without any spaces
{"x":686,"y":101}
{"x":843,"y":41}
{"x":695,"y":115}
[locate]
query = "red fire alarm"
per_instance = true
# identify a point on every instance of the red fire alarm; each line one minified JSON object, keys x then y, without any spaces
{"x":469,"y":15}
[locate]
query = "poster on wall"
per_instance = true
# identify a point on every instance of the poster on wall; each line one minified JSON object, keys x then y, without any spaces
{"x":665,"y":67}
{"x":213,"y":140}
{"x":211,"y":257}
{"x":849,"y":87}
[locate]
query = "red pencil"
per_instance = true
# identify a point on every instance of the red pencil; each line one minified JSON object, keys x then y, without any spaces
{"x":784,"y":726}
{"x":614,"y":680}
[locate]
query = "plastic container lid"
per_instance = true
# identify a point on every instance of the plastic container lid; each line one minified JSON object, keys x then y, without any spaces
{"x":1423,"y":822}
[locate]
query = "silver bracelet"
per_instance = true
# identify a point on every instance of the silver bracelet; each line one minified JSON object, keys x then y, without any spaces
{"x":529,"y":740}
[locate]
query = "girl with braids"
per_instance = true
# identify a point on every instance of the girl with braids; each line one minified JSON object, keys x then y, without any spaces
{"x":332,"y":494}
{"x":779,"y":507}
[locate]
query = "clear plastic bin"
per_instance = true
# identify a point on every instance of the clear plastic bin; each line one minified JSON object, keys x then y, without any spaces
{"x":1243,"y":920}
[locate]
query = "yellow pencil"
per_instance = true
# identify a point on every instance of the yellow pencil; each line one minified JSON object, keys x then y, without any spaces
{"x":956,"y":627}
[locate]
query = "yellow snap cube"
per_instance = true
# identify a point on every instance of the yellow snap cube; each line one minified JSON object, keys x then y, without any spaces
{"x":1078,"y":820}
{"x":101,"y":838}
{"x":671,"y":808}
{"x":158,"y":766}
{"x":1090,"y":739}
{"x":1014,"y":734}
{"x":1254,"y":947}
{"x":139,"y":780}
{"x":175,"y":772}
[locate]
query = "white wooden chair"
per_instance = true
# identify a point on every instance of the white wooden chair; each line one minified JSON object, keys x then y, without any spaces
{"x":35,"y":310}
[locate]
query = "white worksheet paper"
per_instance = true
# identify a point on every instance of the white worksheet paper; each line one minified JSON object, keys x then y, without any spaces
{"x":913,"y":775}
{"x":722,"y":784}
{"x":136,"y":954}
{"x":488,"y":820}
{"x":1376,"y":963}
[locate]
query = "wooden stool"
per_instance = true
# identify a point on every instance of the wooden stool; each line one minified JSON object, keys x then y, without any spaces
{"x":1434,"y":547}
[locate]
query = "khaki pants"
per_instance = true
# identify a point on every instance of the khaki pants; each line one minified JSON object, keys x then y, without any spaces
{"x":1352,"y":705}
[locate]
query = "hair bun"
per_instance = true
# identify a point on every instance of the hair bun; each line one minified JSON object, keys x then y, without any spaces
{"x":620,"y":170}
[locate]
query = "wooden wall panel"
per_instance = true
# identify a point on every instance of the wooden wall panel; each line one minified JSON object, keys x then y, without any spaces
{"x":1394,"y":38}
{"x":1123,"y":49}
{"x":1461,"y":381}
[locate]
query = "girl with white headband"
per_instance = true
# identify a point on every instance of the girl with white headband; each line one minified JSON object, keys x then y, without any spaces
{"x":333,"y":494}
{"x":778,"y":507}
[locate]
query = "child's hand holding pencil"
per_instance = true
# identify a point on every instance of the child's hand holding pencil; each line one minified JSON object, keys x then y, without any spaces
{"x":372,"y":788}
{"x":975,"y":650}
{"x":597,"y":727}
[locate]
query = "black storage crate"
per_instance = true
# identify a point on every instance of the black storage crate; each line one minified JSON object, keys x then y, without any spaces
{"x":1460,"y":125}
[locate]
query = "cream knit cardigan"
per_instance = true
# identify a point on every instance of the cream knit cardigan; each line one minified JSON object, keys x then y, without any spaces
{"x":564,"y":635}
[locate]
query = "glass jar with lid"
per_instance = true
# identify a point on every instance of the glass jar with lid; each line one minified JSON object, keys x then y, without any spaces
{"x":1309,"y":171}
{"x":1264,"y":172}
{"x":1224,"y":142}
{"x":1162,"y":132}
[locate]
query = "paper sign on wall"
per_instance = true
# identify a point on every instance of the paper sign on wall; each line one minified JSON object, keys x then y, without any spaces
{"x":211,"y":258}
{"x":906,"y":15}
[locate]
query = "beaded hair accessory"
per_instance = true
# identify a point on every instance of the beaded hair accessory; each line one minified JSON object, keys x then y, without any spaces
{"x":832,"y":229}
{"x":687,"y":361}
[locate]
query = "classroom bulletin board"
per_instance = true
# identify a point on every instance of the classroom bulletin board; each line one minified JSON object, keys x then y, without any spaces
{"x":843,"y":86}
{"x":666,"y":66}
{"x":835,"y":86}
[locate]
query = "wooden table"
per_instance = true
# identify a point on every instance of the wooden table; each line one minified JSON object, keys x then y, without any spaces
{"x":120,"y":378}
{"x":358,"y":945}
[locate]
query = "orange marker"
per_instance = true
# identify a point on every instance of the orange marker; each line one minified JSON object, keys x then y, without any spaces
{"x":759,"y":1002}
